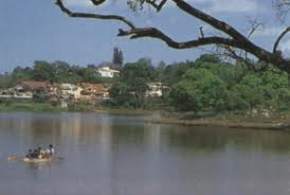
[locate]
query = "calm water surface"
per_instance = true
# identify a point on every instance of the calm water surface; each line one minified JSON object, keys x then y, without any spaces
{"x":122,"y":155}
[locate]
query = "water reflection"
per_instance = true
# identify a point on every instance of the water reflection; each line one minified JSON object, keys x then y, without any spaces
{"x":115,"y":155}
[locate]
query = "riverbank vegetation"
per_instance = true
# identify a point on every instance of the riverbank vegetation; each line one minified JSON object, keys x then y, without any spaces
{"x":206,"y":85}
{"x":54,"y":72}
{"x":24,"y":106}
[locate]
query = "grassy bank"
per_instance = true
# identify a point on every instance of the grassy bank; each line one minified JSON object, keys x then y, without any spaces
{"x":123,"y":111}
{"x":277,"y":121}
{"x":27,"y":106}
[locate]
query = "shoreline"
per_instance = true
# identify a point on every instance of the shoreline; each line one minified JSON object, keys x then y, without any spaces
{"x":207,"y":122}
{"x":281,"y":122}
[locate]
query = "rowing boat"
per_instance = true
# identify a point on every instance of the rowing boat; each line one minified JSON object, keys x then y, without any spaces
{"x":33,"y":160}
{"x":42,"y":160}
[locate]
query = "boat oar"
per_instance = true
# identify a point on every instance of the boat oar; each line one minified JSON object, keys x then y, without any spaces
{"x":14,"y":157}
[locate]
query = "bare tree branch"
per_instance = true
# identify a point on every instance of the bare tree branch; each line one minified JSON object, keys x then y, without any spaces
{"x":201,"y":31}
{"x":217,"y":24}
{"x":155,"y":33}
{"x":93,"y":16}
{"x":157,"y":6}
{"x":232,"y":53}
{"x":233,"y":38}
{"x":98,"y":2}
{"x":255,"y":24}
{"x":280,"y":37}
{"x":244,"y":43}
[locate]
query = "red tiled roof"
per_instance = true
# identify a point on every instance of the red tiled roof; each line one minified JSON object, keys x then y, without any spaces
{"x":35,"y":85}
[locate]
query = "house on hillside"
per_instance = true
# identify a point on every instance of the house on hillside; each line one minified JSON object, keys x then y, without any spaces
{"x":33,"y":86}
{"x":94,"y":92}
{"x":110,"y":65}
{"x":68,"y":90}
{"x":107,"y":72}
{"x":7,"y":93}
{"x":27,"y":89}
{"x":155,"y":89}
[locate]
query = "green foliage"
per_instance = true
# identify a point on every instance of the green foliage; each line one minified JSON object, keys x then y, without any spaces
{"x":19,"y":74}
{"x":13,"y":106}
{"x":212,"y":85}
{"x":173,"y":73}
{"x":208,"y":84}
{"x":90,"y":75}
{"x":43,"y":71}
{"x":55,"y":72}
{"x":208,"y":58}
{"x":199,"y":90}
{"x":40,"y":97}
{"x":6,"y":81}
{"x":267,"y":90}
{"x":64,"y":73}
{"x":130,"y":88}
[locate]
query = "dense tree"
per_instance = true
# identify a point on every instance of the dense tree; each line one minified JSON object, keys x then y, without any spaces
{"x":173,"y":72}
{"x":20,"y":73}
{"x":229,"y":73}
{"x":130,"y":88}
{"x":213,"y":85}
{"x":207,"y":84}
{"x":230,"y":38}
{"x":267,"y":90}
{"x":199,"y":90}
{"x":118,"y":58}
{"x":64,"y":73}
{"x":90,"y":75}
{"x":56,"y":72}
{"x":44,"y":71}
{"x":6,"y":81}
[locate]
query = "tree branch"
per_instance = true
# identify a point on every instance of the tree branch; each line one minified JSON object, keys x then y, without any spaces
{"x":61,"y":5}
{"x":235,"y":38}
{"x":243,"y":42}
{"x":98,"y":2}
{"x":217,"y":24}
{"x":159,"y":6}
{"x":280,"y":37}
{"x":155,"y":33}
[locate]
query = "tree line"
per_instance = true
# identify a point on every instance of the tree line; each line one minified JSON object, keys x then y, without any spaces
{"x":54,"y":72}
{"x":207,"y":84}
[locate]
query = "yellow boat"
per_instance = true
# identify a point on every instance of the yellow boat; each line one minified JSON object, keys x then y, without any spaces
{"x":33,"y":160}
{"x":42,"y":160}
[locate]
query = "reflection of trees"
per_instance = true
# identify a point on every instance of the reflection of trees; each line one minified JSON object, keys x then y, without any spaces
{"x":129,"y":132}
{"x":43,"y":128}
{"x":213,"y":139}
{"x":33,"y":128}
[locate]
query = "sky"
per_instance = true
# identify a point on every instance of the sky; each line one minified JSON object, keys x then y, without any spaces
{"x":37,"y":30}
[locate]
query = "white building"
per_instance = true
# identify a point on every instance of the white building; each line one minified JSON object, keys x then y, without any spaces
{"x":155,"y":89}
{"x":70,"y":90}
{"x":107,"y":72}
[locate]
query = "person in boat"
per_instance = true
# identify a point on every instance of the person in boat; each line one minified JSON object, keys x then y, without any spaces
{"x":50,"y":150}
{"x":34,"y":154}
{"x":29,"y":154}
{"x":41,"y":153}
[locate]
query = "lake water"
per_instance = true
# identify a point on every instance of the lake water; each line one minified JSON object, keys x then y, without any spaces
{"x":123,"y":155}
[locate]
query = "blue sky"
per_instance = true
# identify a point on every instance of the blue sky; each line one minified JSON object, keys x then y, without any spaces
{"x":37,"y":30}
